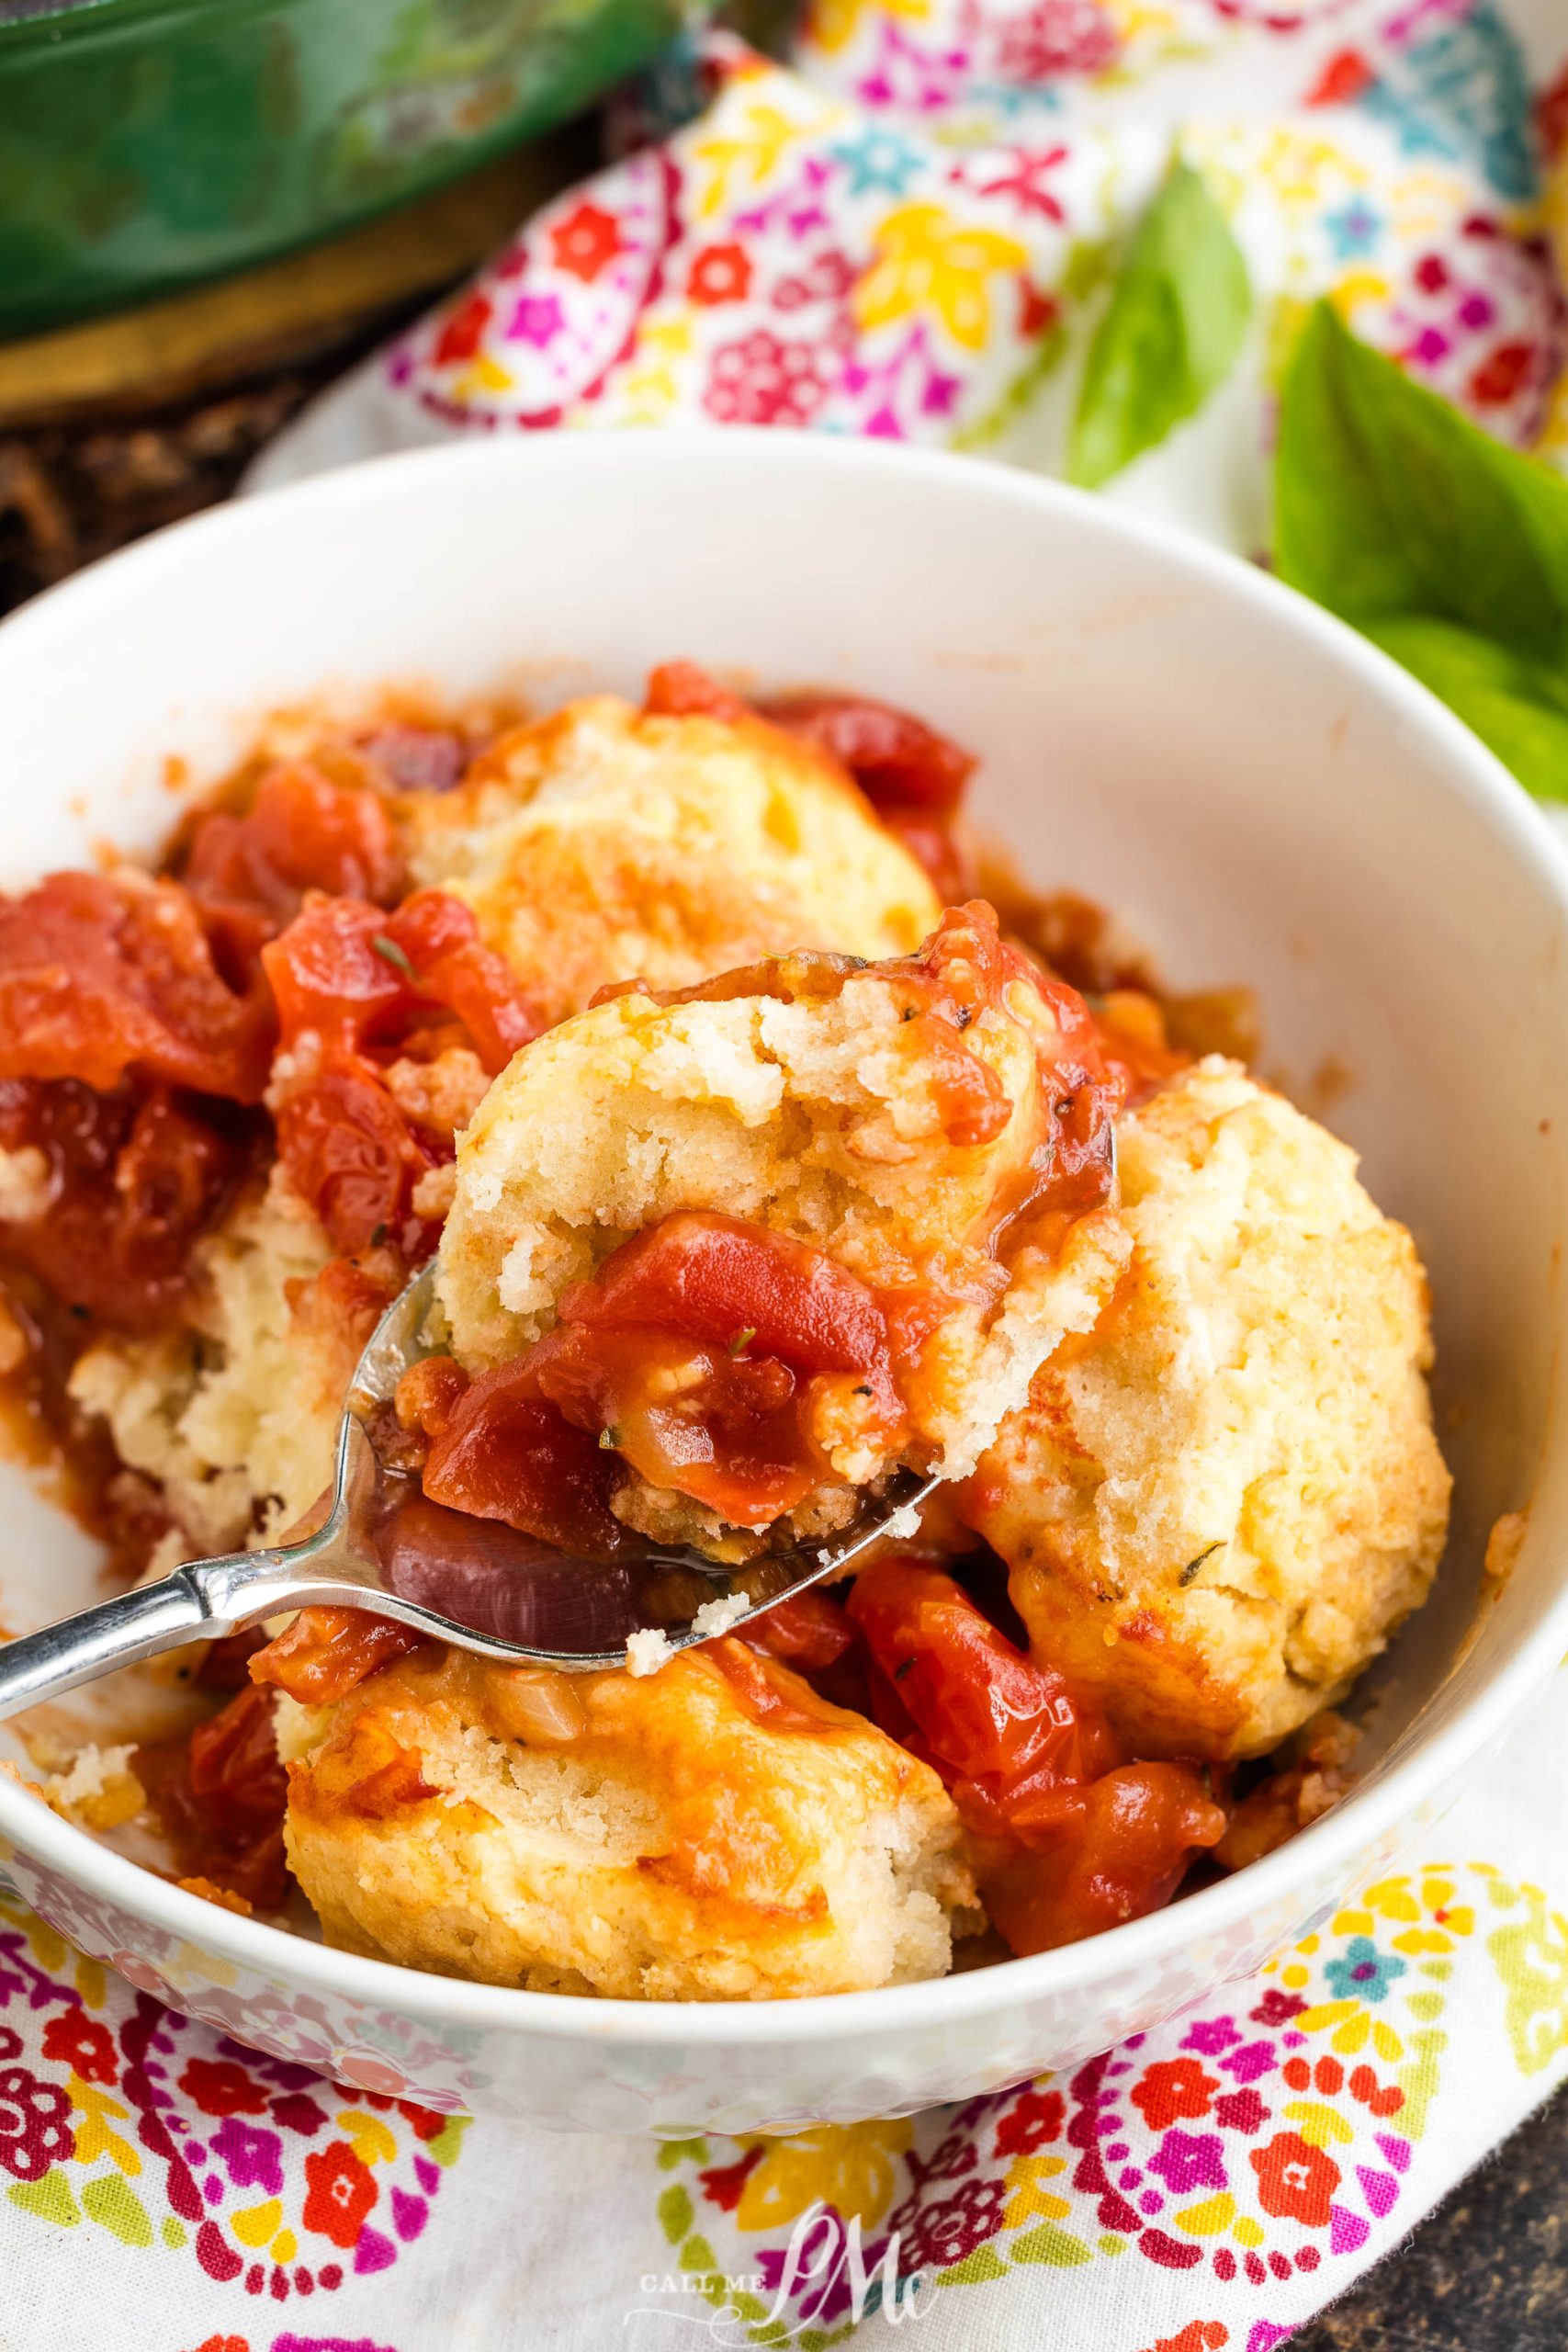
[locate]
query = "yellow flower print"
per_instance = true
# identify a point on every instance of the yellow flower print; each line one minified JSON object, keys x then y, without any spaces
{"x":1027,"y":2199}
{"x":1296,"y":165}
{"x":927,"y":260}
{"x":752,"y":150}
{"x":831,"y":25}
{"x":373,"y":2144}
{"x":97,"y":2115}
{"x":1423,"y":1911}
{"x":1133,"y":20}
{"x":1531,"y":1957}
{"x":849,"y":2167}
{"x":653,"y":388}
{"x":1317,"y":2123}
{"x":1350,"y":2029}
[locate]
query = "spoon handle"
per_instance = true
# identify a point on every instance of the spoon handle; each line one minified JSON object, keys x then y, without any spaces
{"x":133,"y":1625}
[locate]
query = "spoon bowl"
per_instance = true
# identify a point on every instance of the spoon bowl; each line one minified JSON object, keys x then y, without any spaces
{"x":475,"y":1583}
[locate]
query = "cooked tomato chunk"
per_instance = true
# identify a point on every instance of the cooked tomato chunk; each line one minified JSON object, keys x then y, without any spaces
{"x":325,"y":1652}
{"x":1071,"y":1836}
{"x":690,"y":1354}
{"x":102,"y":976}
{"x":355,"y":987}
{"x":913,"y":777}
{"x":133,"y":1178}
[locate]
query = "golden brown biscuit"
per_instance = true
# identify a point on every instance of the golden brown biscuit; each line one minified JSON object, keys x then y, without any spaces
{"x":1217,"y":1511}
{"x":715,"y":1832}
{"x":602,"y":843}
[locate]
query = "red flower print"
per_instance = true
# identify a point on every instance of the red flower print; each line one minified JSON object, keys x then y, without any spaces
{"x":586,"y":242}
{"x":1342,"y":80}
{"x":1505,"y":372}
{"x":34,"y":2132}
{"x":80,"y":2043}
{"x":722,"y":2184}
{"x":763,"y":380}
{"x":339,"y":2193}
{"x":427,"y":2122}
{"x":1277,"y":2008}
{"x":1035,"y":2118}
{"x":1198,"y":2336}
{"x":462,"y":333}
{"x":1241,"y":2110}
{"x":1174,"y":2091}
{"x":949,"y":2229}
{"x":720,"y":274}
{"x":1552,"y":114}
{"x":1024,"y":182}
{"x":219,"y":2088}
{"x":1036,"y":312}
{"x":1382,"y":2098}
{"x":1295,"y":2182}
{"x":223,"y":2343}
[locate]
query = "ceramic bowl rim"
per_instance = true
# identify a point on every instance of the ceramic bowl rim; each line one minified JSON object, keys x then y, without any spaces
{"x":1416,"y":1771}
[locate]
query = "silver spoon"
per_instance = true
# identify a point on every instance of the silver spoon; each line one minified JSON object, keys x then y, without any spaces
{"x":381,"y":1543}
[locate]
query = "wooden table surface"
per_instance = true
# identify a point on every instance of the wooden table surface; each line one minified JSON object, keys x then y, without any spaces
{"x":107,"y":432}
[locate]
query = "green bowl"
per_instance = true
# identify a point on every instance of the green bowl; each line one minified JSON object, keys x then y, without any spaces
{"x":145,"y":144}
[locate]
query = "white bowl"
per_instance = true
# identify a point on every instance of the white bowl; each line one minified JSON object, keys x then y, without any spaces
{"x":1261,"y":795}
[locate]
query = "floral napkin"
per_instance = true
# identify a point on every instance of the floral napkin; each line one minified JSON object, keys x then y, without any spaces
{"x":1203,"y":2188}
{"x":907,"y":232}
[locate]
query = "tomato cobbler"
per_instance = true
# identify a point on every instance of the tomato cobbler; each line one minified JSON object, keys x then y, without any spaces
{"x":768,"y":1163}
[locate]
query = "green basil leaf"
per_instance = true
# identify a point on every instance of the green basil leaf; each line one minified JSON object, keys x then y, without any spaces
{"x":1388,"y":501}
{"x":1170,"y":336}
{"x":1518,"y":705}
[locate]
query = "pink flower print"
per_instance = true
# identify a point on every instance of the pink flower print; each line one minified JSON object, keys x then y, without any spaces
{"x":537,"y":319}
{"x":825,"y":278}
{"x":1188,"y":2160}
{"x":1254,"y":2058}
{"x":1209,"y":2036}
{"x":764,"y":380}
{"x":823,"y":2284}
{"x":1055,"y":37}
{"x":34,"y":2133}
{"x":249,"y":2155}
